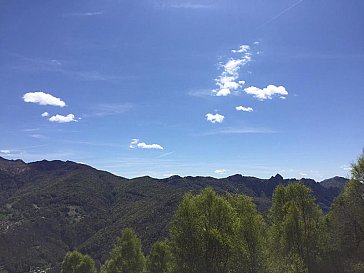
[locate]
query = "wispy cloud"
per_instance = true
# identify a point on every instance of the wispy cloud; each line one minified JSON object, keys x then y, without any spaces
{"x":214,"y":118}
{"x":200,"y":93}
{"x":281,"y":13}
{"x":267,"y":92}
{"x":108,"y":109}
{"x":38,"y":136}
{"x":142,"y":145}
{"x":165,"y":155}
{"x":179,"y":4}
{"x":42,"y":98}
{"x":63,"y":119}
{"x":28,"y":64}
{"x":45,"y":114}
{"x":228,"y":81}
{"x":346,"y":167}
{"x":5,"y":152}
{"x":238,"y":130}
{"x":31,"y":130}
{"x":92,"y":13}
{"x":190,"y":6}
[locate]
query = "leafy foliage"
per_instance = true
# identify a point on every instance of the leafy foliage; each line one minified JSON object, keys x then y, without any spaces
{"x":297,"y":231}
{"x":346,"y":222}
{"x":212,"y":233}
{"x":249,"y":247}
{"x":75,"y":262}
{"x":126,"y":255}
{"x":160,"y":259}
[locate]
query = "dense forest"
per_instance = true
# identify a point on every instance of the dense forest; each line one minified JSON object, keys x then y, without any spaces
{"x":218,"y":233}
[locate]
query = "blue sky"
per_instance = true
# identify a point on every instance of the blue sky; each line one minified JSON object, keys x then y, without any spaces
{"x":207,"y":87}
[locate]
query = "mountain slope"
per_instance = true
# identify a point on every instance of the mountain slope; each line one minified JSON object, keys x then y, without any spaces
{"x":50,"y":207}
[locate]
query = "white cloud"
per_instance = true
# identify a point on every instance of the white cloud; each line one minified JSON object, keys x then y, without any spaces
{"x":217,"y":118}
{"x":63,"y":119}
{"x":228,"y":81}
{"x":267,"y":92}
{"x":141,"y":145}
{"x":43,"y":99}
{"x":245,"y":109}
{"x":45,"y":114}
{"x":220,"y":171}
{"x":5,"y":151}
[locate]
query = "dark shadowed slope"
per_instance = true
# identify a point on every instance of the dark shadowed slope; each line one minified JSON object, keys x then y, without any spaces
{"x":50,"y":207}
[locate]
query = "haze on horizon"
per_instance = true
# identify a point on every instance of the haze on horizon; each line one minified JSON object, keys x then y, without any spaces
{"x":163,"y":87}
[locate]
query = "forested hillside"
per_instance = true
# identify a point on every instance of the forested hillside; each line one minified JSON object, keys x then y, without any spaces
{"x":214,"y":233}
{"x":50,"y":207}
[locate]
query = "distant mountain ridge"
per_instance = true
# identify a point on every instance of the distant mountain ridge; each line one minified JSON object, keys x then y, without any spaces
{"x":50,"y":207}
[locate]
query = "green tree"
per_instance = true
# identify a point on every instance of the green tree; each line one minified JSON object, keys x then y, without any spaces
{"x":298,"y":230}
{"x":249,"y":239}
{"x":75,"y":262}
{"x":126,"y":255}
{"x":160,"y":259}
{"x":202,"y":233}
{"x":346,"y":222}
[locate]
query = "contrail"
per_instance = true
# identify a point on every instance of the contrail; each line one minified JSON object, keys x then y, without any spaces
{"x":281,"y":13}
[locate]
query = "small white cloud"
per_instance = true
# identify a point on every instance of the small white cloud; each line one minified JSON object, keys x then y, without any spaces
{"x":43,"y":99}
{"x":63,"y":119}
{"x":245,"y":109}
{"x":5,"y":151}
{"x":38,"y":136}
{"x":142,"y":145}
{"x":92,"y":13}
{"x":267,"y":92}
{"x":242,"y":49}
{"x":56,"y":62}
{"x":217,"y":118}
{"x":45,"y":114}
{"x":220,"y":171}
{"x":168,"y":175}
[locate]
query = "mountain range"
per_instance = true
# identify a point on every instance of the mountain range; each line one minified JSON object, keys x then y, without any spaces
{"x":50,"y":207}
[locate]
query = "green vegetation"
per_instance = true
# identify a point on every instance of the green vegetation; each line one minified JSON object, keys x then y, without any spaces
{"x":49,"y":208}
{"x":224,"y":233}
{"x":297,"y":231}
{"x":160,"y":259}
{"x":75,"y":262}
{"x":126,"y":255}
{"x":346,"y":221}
